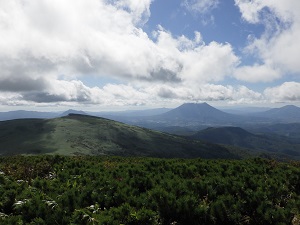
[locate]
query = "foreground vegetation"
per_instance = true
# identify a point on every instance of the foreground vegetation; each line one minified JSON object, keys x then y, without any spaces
{"x":115,"y":190}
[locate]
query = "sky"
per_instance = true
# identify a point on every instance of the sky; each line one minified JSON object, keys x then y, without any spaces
{"x":130,"y":54}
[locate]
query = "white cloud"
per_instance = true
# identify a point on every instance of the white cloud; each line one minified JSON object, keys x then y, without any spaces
{"x":162,"y":93}
{"x":52,"y":39}
{"x":48,"y":47}
{"x":250,"y":9}
{"x":286,"y":92}
{"x":140,"y":10}
{"x":253,"y":10}
{"x":13,"y":99}
{"x":74,"y":93}
{"x":92,"y":37}
{"x":256,"y":73}
{"x":278,"y":47}
{"x":206,"y":63}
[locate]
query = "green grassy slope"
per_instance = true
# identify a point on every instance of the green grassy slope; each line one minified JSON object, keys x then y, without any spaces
{"x":79,"y":134}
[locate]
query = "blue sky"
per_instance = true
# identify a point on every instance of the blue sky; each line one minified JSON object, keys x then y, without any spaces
{"x":222,"y":23}
{"x":120,"y":54}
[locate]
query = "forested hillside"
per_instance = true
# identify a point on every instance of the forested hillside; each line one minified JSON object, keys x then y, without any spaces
{"x":115,"y":190}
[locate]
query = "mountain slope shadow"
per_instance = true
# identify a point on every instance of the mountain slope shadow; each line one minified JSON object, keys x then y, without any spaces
{"x":25,"y":136}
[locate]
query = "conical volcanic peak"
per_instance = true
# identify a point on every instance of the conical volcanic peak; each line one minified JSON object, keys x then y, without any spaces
{"x":199,"y":112}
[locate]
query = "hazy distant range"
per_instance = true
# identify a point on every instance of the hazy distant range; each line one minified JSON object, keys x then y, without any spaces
{"x":186,"y":115}
{"x":273,"y":131}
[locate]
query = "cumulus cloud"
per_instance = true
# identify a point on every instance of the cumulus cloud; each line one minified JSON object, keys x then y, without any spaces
{"x":287,"y":92}
{"x":21,"y":83}
{"x":70,"y":37}
{"x":140,"y":10}
{"x":63,"y":91}
{"x":250,"y":10}
{"x":205,"y":92}
{"x":74,"y":92}
{"x":94,"y":37}
{"x":207,"y":63}
{"x":47,"y":46}
{"x":256,"y":73}
{"x":13,"y":99}
{"x":278,"y":46}
{"x":193,"y":60}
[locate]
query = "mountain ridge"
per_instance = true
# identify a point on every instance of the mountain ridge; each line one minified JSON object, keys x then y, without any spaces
{"x":237,"y":136}
{"x":288,"y":113}
{"x":77,"y":134}
{"x":191,"y":114}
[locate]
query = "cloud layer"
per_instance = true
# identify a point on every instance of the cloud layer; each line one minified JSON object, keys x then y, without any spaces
{"x":287,"y":92}
{"x":49,"y":47}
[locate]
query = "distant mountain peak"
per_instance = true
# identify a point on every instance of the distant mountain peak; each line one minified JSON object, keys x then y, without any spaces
{"x":195,"y":104}
{"x":195,"y":108}
{"x":288,"y":113}
{"x":284,"y":109}
{"x":200,"y":113}
{"x":290,"y":107}
{"x":72,"y":111}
